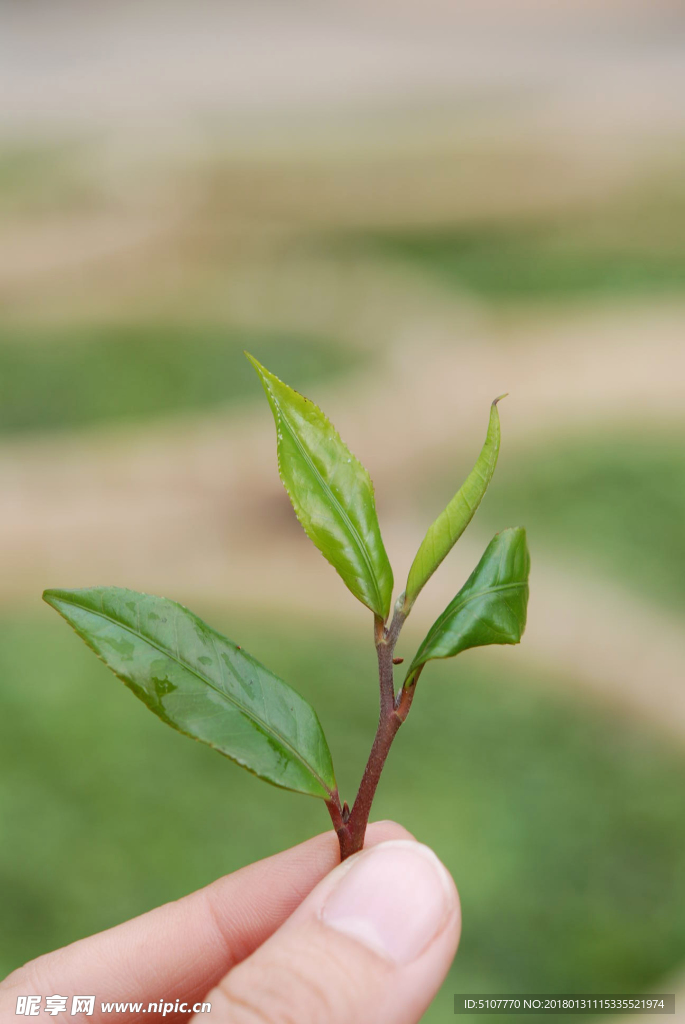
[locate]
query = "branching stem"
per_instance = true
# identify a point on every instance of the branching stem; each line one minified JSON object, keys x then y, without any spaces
{"x":393,"y":711}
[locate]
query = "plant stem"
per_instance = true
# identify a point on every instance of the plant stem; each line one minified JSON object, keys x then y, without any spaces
{"x":393,"y":712}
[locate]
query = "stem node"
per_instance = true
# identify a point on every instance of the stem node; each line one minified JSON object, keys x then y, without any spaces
{"x":350,"y":825}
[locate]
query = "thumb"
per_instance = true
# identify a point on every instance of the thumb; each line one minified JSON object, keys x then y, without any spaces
{"x":371,"y":944}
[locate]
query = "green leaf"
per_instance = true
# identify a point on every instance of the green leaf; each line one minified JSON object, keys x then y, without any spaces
{"x":489,"y":609}
{"x":202,"y":684}
{"x":331,"y":493}
{"x":444,"y":533}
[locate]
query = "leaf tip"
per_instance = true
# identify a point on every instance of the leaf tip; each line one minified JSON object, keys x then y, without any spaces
{"x":59,"y":599}
{"x":255,"y":362}
{"x":518,"y":531}
{"x":499,"y":398}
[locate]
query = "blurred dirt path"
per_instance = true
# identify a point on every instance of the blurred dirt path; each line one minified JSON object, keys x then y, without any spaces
{"x":194,"y":508}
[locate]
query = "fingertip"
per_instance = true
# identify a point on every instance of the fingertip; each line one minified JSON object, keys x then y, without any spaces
{"x":398,"y":890}
{"x":387,"y":918}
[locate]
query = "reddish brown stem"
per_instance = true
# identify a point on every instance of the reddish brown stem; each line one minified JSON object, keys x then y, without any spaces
{"x":352,"y":828}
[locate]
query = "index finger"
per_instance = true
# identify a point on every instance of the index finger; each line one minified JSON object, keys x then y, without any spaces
{"x":182,"y":949}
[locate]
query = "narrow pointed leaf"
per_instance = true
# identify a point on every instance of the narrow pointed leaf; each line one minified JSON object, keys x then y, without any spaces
{"x":444,"y":533}
{"x":489,"y":609}
{"x":331,"y":493}
{"x":202,"y":684}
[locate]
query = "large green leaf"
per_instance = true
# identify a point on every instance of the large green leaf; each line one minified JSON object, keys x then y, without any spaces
{"x":331,"y":493}
{"x":489,"y":609}
{"x":444,"y":533}
{"x":202,"y":684}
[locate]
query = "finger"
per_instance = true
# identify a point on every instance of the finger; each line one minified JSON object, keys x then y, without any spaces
{"x":180,"y":950}
{"x":371,"y":944}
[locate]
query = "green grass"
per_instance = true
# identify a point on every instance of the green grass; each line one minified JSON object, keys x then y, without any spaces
{"x":84,"y":375}
{"x":561,"y":822}
{"x":514,"y":264}
{"x":629,"y":246}
{"x":615,"y":504}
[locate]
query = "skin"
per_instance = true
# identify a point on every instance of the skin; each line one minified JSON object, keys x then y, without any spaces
{"x":257,"y":944}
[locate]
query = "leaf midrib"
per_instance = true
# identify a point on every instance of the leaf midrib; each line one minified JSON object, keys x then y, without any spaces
{"x":360,"y":545}
{"x":222,"y":693}
{"x":472,"y":597}
{"x":437,"y":524}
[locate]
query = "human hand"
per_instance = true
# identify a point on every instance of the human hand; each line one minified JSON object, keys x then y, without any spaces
{"x":290,"y":938}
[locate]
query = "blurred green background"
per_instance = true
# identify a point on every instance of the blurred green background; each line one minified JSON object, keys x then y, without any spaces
{"x":402,"y":245}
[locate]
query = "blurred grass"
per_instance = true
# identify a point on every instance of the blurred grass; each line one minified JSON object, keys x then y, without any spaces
{"x":531,"y":263}
{"x":626,"y":247}
{"x":561,"y":822}
{"x":77,"y":376}
{"x":615,"y":503}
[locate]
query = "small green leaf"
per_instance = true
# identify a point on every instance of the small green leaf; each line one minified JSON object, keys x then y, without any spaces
{"x":202,"y":684}
{"x":331,"y":493}
{"x":444,"y":533}
{"x":489,"y":609}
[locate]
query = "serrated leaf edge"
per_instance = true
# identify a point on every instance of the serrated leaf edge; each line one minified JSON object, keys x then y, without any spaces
{"x":282,"y":422}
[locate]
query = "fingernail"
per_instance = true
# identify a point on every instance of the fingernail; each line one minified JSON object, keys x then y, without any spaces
{"x":395,"y":899}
